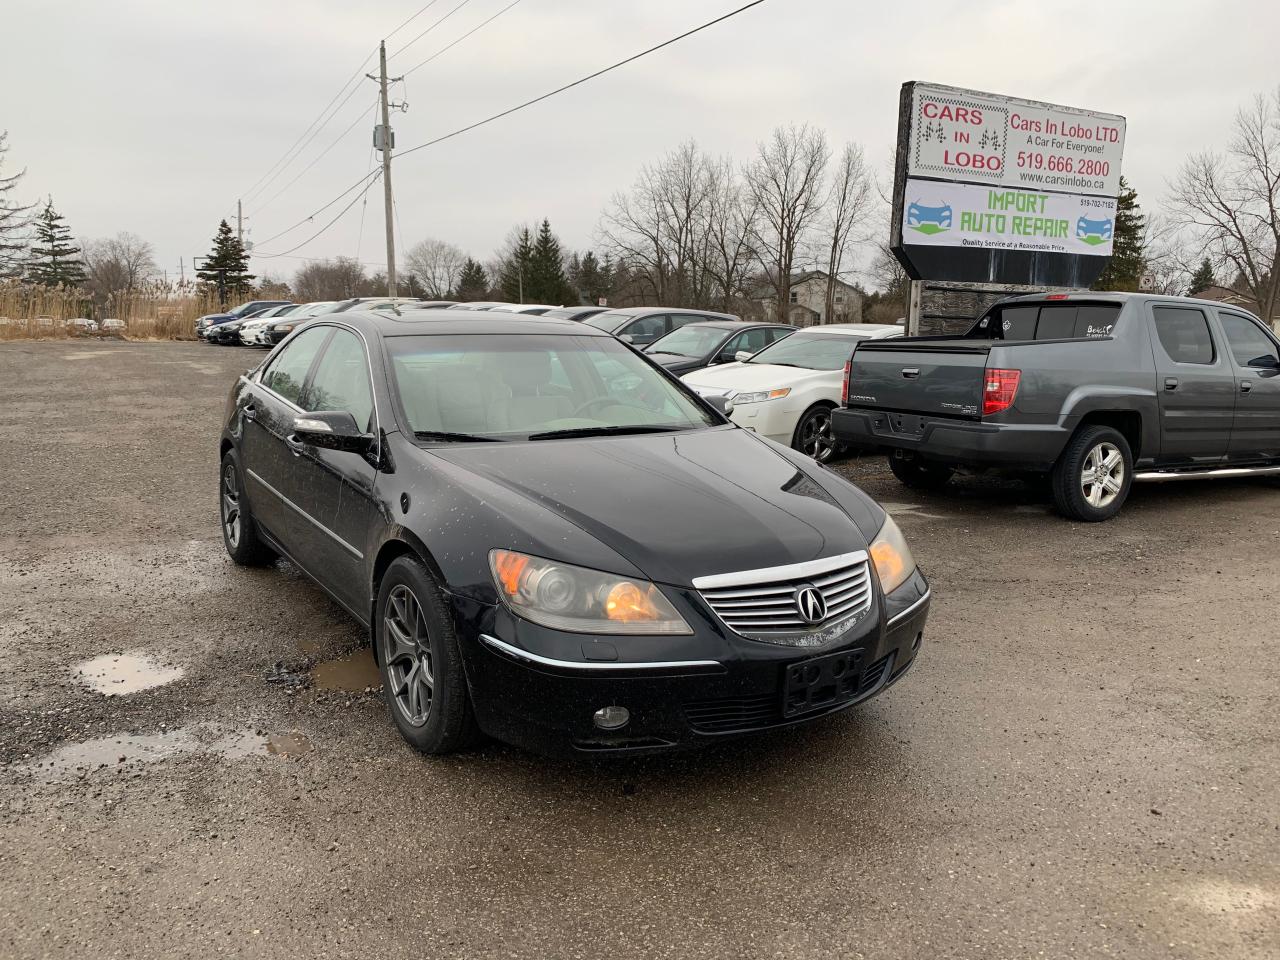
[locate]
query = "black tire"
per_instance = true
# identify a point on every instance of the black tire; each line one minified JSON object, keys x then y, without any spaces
{"x":410,"y":648}
{"x":813,"y":435}
{"x":239,"y":531}
{"x":920,"y":474}
{"x":1089,"y":451}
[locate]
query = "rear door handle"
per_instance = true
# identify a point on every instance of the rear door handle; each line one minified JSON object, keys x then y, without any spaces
{"x":911,"y":372}
{"x":1171,"y":383}
{"x":1246,"y":386}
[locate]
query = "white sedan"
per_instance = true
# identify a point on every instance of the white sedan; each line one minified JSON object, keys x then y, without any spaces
{"x":787,"y":391}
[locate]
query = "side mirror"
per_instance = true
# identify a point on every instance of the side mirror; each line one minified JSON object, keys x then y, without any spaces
{"x":742,"y":356}
{"x":1265,"y":362}
{"x":332,"y":430}
{"x":723,"y":404}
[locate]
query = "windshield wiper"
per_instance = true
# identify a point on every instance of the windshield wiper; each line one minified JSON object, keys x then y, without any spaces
{"x":604,"y":431}
{"x":454,"y":437}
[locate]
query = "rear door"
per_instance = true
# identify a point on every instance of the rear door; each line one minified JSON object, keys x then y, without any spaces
{"x":1196,"y":384}
{"x":1256,"y":356}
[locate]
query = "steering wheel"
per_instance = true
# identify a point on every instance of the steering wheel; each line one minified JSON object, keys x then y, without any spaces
{"x":596,"y":402}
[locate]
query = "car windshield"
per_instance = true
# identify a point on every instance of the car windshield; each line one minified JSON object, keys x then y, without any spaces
{"x":690,"y":341}
{"x":533,"y":386}
{"x":608,"y":321}
{"x":812,"y":351}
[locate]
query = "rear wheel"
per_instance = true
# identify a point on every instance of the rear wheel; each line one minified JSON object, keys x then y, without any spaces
{"x":1091,"y":479}
{"x":814,"y":436}
{"x":239,"y":532}
{"x":920,"y":474}
{"x":420,"y":661}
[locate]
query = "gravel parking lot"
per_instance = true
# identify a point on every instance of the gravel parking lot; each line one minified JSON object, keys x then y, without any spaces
{"x":1084,"y":762}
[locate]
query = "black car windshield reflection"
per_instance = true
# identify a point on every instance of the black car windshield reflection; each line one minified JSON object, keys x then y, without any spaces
{"x":809,"y":351}
{"x":530,"y":386}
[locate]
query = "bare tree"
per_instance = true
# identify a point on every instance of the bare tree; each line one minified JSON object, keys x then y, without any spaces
{"x":117,"y":265}
{"x":849,"y":206}
{"x":785,"y":180}
{"x":14,"y":220}
{"x":335,"y":279}
{"x":730,"y":224}
{"x":1231,"y":202}
{"x":437,"y":265}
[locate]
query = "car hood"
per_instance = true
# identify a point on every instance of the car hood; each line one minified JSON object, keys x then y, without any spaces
{"x":737,"y":377}
{"x":682,"y":505}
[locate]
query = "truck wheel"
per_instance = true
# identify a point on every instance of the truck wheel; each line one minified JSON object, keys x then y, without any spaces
{"x":920,"y":474}
{"x":1091,"y":479}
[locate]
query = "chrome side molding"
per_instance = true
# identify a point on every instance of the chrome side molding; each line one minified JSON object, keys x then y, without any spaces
{"x":585,"y":666}
{"x":1162,"y":476}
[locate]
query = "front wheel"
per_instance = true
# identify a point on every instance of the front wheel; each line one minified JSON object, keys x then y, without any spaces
{"x":239,"y":531}
{"x":814,"y":437}
{"x":1091,"y":479}
{"x":420,"y":662}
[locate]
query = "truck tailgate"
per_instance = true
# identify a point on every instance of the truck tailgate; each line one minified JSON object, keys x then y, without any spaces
{"x":944,"y":378}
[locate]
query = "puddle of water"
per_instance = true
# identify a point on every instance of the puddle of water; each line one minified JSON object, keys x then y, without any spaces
{"x":116,"y":674}
{"x":124,"y":752}
{"x":287,"y":744}
{"x":353,"y":674}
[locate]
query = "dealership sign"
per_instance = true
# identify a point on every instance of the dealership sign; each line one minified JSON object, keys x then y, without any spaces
{"x":996,"y":189}
{"x":939,"y":213}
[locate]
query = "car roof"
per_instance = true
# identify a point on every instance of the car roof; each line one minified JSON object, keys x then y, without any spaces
{"x":643,"y":311}
{"x":445,"y":321}
{"x":852,"y":328}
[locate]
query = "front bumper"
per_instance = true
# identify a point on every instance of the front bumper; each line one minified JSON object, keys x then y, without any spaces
{"x":1021,"y":446}
{"x":539,"y":688}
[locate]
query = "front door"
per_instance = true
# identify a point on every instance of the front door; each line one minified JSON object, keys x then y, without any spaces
{"x":1196,"y":385}
{"x":1256,"y":355}
{"x":337,"y":488}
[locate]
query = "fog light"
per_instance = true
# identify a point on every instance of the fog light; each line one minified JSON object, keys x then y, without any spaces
{"x":611,"y":718}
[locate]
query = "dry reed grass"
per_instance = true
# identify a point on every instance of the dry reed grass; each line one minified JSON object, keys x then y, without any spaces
{"x":151,"y":313}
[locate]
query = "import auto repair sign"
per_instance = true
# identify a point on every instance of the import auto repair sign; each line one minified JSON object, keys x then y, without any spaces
{"x":997,"y":189}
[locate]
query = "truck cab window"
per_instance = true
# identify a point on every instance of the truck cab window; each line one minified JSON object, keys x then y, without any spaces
{"x":1184,"y":334}
{"x":1249,"y":345}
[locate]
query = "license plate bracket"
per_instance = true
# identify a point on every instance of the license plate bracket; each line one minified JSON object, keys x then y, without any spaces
{"x":820,"y":682}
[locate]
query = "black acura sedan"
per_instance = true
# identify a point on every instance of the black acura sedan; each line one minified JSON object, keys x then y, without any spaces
{"x":554,"y":542}
{"x":699,"y":345}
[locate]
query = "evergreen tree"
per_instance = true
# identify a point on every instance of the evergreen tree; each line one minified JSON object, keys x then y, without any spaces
{"x":473,"y":283}
{"x":14,"y":220}
{"x":549,"y":283}
{"x":593,"y":280}
{"x":1128,"y":244}
{"x":54,"y":260}
{"x":1202,"y":279}
{"x":227,"y":266}
{"x":516,"y":272}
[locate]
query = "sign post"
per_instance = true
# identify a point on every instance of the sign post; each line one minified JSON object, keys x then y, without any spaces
{"x":997,"y":191}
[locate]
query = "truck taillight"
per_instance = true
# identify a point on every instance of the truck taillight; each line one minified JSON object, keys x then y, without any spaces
{"x":844,"y":384}
{"x":998,"y":391}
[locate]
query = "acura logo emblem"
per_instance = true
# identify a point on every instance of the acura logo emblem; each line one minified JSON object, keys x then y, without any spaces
{"x":811,"y":604}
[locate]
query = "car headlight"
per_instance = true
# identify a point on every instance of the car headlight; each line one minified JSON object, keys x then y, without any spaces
{"x":284,"y":328}
{"x":565,"y":597}
{"x":760,"y":396}
{"x":892,"y":556}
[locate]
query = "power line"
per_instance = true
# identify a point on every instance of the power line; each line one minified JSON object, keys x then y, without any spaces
{"x":421,"y":10}
{"x":461,"y":38}
{"x":576,"y":83}
{"x":357,"y":199}
{"x":286,"y":158}
{"x":430,"y":28}
{"x":312,"y":216}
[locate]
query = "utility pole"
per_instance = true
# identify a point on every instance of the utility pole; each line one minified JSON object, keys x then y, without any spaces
{"x":239,"y":223}
{"x":388,"y":203}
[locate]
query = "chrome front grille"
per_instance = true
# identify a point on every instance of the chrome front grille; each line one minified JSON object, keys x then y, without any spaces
{"x":765,"y":604}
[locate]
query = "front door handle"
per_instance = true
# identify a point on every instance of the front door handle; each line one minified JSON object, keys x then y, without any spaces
{"x":911,"y":373}
{"x":1246,"y":386}
{"x":1171,"y":383}
{"x":250,"y":412}
{"x":294,"y":444}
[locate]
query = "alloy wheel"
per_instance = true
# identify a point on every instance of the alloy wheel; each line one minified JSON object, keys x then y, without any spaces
{"x":231,"y":505}
{"x":816,"y":438}
{"x":406,"y":651}
{"x":1103,"y":475}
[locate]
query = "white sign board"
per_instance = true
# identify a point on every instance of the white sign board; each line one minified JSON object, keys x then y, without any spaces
{"x":941,"y":214}
{"x":985,"y":138}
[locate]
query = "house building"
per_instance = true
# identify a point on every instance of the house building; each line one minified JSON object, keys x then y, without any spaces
{"x":1237,"y":299}
{"x":808,"y":301}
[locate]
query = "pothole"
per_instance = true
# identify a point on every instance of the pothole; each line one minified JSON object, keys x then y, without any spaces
{"x":117,"y":674}
{"x":125,"y":752}
{"x":354,"y":674}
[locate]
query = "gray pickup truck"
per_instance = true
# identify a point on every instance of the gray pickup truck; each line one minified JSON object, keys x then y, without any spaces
{"x":1095,"y":390}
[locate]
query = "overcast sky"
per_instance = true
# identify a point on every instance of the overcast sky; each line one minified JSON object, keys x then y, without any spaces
{"x":153,"y":116}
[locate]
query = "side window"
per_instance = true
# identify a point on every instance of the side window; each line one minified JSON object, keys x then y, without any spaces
{"x":1184,"y":334}
{"x":678,"y":320}
{"x":288,"y":371}
{"x":342,"y":380}
{"x":647,"y":329}
{"x":777,"y":333}
{"x":756,"y":340}
{"x":733,"y":346}
{"x":1249,"y":344}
